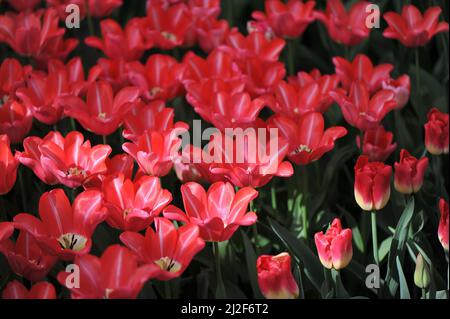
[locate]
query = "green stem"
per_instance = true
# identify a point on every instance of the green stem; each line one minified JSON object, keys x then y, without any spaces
{"x":326,"y":279}
{"x":290,"y":47}
{"x":73,"y":124}
{"x":255,"y":230}
{"x":55,"y":127}
{"x":22,"y":191}
{"x":424,"y":293}
{"x":220,"y":290}
{"x":416,"y":52}
{"x":361,"y":141}
{"x":273,"y":194}
{"x":167,"y":290}
{"x":105,"y":139}
{"x":89,"y":19}
{"x":375,"y":238}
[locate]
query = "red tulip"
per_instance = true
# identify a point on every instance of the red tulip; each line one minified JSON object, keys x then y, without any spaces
{"x":372,"y":184}
{"x":346,"y":27}
{"x":211,"y":33}
{"x":293,"y":101}
{"x":287,"y":20}
{"x":114,"y":275}
{"x":308,"y":141}
{"x":377,"y":144}
{"x":263,"y":76}
{"x":6,"y":230}
{"x":412,"y":28}
{"x":218,"y":212}
{"x":401,"y":88}
{"x":43,"y":94}
{"x":255,"y":45}
{"x":15,"y":120}
{"x":436,"y":132}
{"x":409,"y":173}
{"x":40,"y":290}
{"x":12,"y":76}
{"x":275,"y":277}
{"x":167,"y":26}
{"x":443,"y":224}
{"x":8,"y":166}
{"x":132,"y":206}
{"x":103,"y":8}
{"x":26,"y":258}
{"x":168,"y":249}
{"x":153,"y":116}
{"x":128,"y":44}
{"x":253,"y":163}
{"x":326,"y":83}
{"x":154,"y":151}
{"x":360,"y":109}
{"x":64,"y":230}
{"x":203,"y":9}
{"x":103,"y":112}
{"x":335,"y":246}
{"x":31,"y":156}
{"x":24,"y":5}
{"x":69,"y":160}
{"x":159,"y":79}
{"x":36,"y":34}
{"x":112,"y":71}
{"x":119,"y":164}
{"x":363,"y":71}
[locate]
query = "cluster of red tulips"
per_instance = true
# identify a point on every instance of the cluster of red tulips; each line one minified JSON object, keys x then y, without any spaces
{"x":230,"y":79}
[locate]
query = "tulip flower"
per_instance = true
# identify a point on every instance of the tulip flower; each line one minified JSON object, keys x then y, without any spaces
{"x":36,"y":34}
{"x":64,"y":230}
{"x":114,"y":275}
{"x":43,"y":94}
{"x":401,"y":88}
{"x":443,"y":224}
{"x":254,"y":45}
{"x":24,"y":5}
{"x":154,"y":151}
{"x":409,"y":173}
{"x":103,"y":112}
{"x":128,"y":44}
{"x":325,"y":84}
{"x":70,"y":161}
{"x":169,"y":250}
{"x":412,"y":28}
{"x":308,"y":140}
{"x":288,"y":20}
{"x":372,"y":184}
{"x":363,"y":71}
{"x":262,"y":76}
{"x":160,"y":78}
{"x":40,"y":290}
{"x":97,"y":8}
{"x":31,"y":156}
{"x":26,"y":258}
{"x":218,"y":212}
{"x":361,"y":110}
{"x":377,"y":144}
{"x":275,"y":277}
{"x":8,"y":166}
{"x":211,"y":33}
{"x":112,"y":71}
{"x":6,"y":230}
{"x":346,"y":27}
{"x":436,"y":132}
{"x":167,"y":26}
{"x":132,"y":206}
{"x":153,"y":116}
{"x":421,"y":273}
{"x":15,"y":120}
{"x":335,"y":246}
{"x":12,"y":76}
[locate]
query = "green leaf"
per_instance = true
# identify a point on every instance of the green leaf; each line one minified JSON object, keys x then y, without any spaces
{"x":404,"y":291}
{"x":384,"y":248}
{"x":250,"y":258}
{"x":304,"y":256}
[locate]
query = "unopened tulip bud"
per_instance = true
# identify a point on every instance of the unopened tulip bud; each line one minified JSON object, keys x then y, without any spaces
{"x":275,"y":278}
{"x":436,"y":132}
{"x":443,"y":224}
{"x":409,"y":172}
{"x":422,"y":273}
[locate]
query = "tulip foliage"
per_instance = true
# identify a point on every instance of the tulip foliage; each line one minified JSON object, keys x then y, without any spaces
{"x":343,"y":192}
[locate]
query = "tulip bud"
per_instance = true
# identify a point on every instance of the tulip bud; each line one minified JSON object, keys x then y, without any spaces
{"x":275,"y":278}
{"x":443,"y":224}
{"x":377,"y":144}
{"x":401,"y":89}
{"x":372,"y":184}
{"x":409,"y":172}
{"x":335,"y":246}
{"x":422,"y":273}
{"x":436,"y":132}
